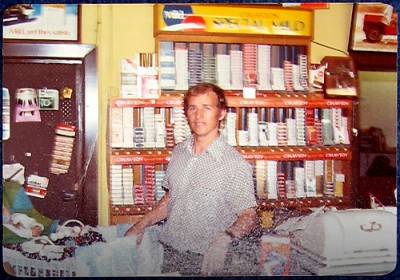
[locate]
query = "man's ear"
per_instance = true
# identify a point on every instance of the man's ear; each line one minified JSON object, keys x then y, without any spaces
{"x":222,"y":114}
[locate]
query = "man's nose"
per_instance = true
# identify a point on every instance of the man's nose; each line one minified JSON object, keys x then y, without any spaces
{"x":199,"y":114}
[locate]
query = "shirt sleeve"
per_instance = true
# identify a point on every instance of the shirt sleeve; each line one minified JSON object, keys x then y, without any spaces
{"x":241,"y":193}
{"x":165,"y":182}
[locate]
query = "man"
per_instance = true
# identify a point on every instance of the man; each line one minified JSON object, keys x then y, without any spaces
{"x":210,"y":199}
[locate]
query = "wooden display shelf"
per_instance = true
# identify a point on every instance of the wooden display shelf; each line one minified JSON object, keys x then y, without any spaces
{"x":124,"y":219}
{"x":298,"y":203}
{"x":288,"y":102}
{"x":272,"y":100}
{"x":167,"y":101}
{"x":296,"y":153}
{"x":122,"y":157}
{"x":304,"y":203}
{"x":259,"y":94}
{"x":233,"y":39}
{"x":236,"y":101}
{"x":135,"y":209}
{"x":130,"y":157}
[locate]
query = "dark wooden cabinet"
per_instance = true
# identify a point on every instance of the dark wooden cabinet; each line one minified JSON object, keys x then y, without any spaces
{"x":72,"y":195}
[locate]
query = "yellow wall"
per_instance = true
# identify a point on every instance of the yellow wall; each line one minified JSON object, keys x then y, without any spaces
{"x":378,"y":103}
{"x":120,"y":30}
{"x":332,"y":28}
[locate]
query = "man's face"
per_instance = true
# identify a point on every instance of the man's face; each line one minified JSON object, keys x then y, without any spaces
{"x":204,"y":115}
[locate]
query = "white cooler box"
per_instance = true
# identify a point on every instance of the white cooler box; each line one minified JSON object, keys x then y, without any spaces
{"x":344,"y":242}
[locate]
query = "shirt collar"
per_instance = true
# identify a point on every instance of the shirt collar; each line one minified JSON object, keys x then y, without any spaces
{"x":216,"y":149}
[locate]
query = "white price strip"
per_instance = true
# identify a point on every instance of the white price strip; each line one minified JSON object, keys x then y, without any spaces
{"x":249,"y":92}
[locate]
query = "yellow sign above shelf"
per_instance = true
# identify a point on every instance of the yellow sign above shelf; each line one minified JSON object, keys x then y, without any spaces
{"x":212,"y":19}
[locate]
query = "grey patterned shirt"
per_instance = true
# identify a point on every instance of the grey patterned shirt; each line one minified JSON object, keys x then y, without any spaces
{"x":207,"y":193}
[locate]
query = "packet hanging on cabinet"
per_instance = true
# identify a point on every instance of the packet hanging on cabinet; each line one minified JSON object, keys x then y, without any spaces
{"x":62,"y":149}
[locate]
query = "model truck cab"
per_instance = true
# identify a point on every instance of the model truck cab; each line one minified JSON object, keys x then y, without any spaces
{"x":18,"y":13}
{"x":376,"y":25}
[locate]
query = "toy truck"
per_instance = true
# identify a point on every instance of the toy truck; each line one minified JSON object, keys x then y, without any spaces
{"x":377,"y":25}
{"x":21,"y":12}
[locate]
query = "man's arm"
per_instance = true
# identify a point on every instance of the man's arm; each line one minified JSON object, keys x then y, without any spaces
{"x":158,"y":214}
{"x":214,"y":257}
{"x":244,"y":225}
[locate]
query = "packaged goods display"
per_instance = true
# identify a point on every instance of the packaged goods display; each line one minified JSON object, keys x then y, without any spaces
{"x":233,"y":66}
{"x":297,"y":139}
{"x":299,"y":150}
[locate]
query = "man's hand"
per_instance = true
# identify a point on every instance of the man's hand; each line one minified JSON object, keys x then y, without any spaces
{"x":214,"y":257}
{"x":137,"y":231}
{"x":158,"y":214}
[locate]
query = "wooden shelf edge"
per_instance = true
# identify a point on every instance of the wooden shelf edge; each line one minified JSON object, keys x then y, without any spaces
{"x":272,"y":100}
{"x":263,"y":205}
{"x":130,"y":156}
{"x":304,"y":203}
